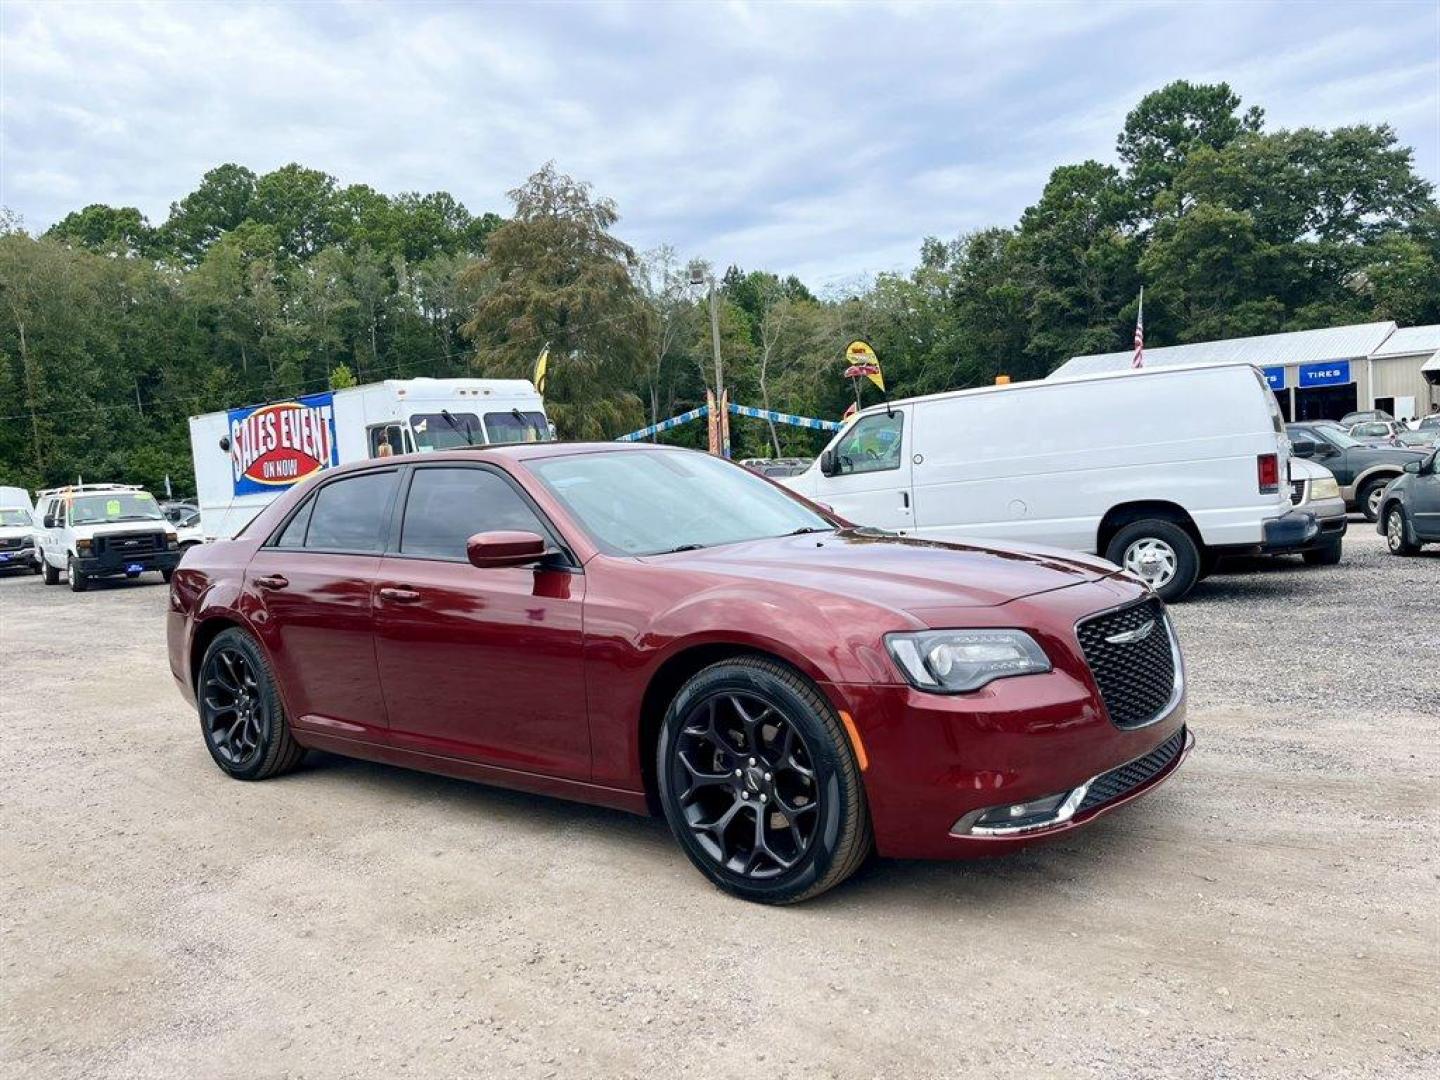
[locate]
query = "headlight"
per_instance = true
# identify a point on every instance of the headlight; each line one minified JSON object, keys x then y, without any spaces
{"x":1325,"y":488}
{"x":82,"y":547}
{"x":172,"y":541}
{"x":953,"y":661}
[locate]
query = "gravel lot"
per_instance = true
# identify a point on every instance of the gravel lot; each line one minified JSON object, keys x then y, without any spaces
{"x":1271,"y":912}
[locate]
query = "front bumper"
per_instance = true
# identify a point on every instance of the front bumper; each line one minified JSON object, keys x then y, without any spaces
{"x":1331,"y":521}
{"x":13,"y":557}
{"x":936,"y":760}
{"x":112,"y":562}
{"x":1292,"y":531}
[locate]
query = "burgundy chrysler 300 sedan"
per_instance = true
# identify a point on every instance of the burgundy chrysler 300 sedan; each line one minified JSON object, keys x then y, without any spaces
{"x":647,"y":627}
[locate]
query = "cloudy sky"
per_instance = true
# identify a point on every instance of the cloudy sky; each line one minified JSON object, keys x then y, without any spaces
{"x":825,"y":139}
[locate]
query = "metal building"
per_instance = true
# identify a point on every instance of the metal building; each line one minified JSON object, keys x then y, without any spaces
{"x":1316,"y":374}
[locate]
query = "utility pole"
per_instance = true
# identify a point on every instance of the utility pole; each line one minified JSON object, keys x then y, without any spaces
{"x":715,"y":339}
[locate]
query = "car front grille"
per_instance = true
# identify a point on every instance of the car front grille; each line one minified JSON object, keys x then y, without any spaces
{"x":1110,"y":786}
{"x":1134,"y":667}
{"x":10,"y":543}
{"x":130,"y":543}
{"x":1297,"y":492}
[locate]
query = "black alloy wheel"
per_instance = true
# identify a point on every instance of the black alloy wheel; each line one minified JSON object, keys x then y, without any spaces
{"x":234,"y":712}
{"x":746,"y":784}
{"x":240,"y":713}
{"x":759,"y":783}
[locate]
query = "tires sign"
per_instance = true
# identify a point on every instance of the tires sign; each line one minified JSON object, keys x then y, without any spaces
{"x":273,"y":447}
{"x":1334,"y":373}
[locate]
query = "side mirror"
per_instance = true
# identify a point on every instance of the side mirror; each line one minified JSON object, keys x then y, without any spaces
{"x":489,"y":550}
{"x":1303,"y":448}
{"x":1415,"y":467}
{"x":49,"y":521}
{"x":828,"y":465}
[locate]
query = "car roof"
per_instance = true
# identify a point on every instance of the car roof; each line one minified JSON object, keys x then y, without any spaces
{"x":517,"y":452}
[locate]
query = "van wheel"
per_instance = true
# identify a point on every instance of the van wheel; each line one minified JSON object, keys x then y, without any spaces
{"x":52,"y":576}
{"x":1159,"y":553}
{"x":78,"y":581}
{"x":759,"y":783}
{"x":240,"y":712}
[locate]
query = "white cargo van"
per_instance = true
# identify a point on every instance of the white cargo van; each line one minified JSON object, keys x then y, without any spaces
{"x":1159,"y":470}
{"x":244,"y":458}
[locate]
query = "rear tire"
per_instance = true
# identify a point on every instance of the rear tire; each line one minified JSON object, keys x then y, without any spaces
{"x":759,"y":783}
{"x":78,"y":581}
{"x":1160,"y":553}
{"x":1329,"y":555}
{"x":52,"y":576}
{"x":241,"y":717}
{"x":1397,"y":532}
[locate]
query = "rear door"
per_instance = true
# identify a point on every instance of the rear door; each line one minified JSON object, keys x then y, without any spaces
{"x":483,"y":664}
{"x":873,"y":484}
{"x":312,"y":583}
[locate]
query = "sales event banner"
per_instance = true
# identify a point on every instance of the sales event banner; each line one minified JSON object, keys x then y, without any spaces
{"x":273,"y":447}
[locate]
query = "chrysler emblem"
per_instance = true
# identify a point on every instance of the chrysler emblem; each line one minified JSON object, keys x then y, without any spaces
{"x":1129,"y":637}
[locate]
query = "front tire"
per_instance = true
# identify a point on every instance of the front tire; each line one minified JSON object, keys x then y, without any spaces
{"x":1370,"y":496}
{"x":52,"y":575}
{"x":241,"y":717}
{"x":1159,"y":553}
{"x":78,"y":581}
{"x":1397,"y":532}
{"x":759,"y":783}
{"x":1329,"y":555}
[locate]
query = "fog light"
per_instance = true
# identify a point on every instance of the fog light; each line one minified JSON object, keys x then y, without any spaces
{"x":1025,"y":813}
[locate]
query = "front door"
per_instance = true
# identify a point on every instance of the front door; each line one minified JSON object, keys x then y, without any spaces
{"x":872,"y":483}
{"x":312,"y":586}
{"x":477,"y":663}
{"x":1425,"y":498}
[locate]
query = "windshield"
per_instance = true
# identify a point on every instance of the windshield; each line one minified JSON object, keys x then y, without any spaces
{"x":14,"y":517}
{"x":433,"y":432}
{"x":114,"y":506}
{"x":515,"y":426}
{"x":1334,"y":436}
{"x":644,"y":503}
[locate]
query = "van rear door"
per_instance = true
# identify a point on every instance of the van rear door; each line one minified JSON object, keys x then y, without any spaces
{"x":871,"y":485}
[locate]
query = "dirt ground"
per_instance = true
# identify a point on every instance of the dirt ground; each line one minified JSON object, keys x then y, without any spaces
{"x":1270,"y":912}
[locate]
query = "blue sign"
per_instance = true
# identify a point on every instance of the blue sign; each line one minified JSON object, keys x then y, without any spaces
{"x":273,"y":447}
{"x":1275,"y":376}
{"x":1334,"y":373}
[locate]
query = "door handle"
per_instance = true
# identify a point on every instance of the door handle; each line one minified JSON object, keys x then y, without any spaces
{"x":272,"y":581}
{"x":399,"y":594}
{"x":905,"y":499}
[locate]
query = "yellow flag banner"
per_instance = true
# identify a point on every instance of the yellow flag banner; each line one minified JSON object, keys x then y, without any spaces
{"x":541,"y":363}
{"x":861,"y":360}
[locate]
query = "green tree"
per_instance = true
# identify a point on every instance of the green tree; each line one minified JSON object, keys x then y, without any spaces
{"x":555,"y":273}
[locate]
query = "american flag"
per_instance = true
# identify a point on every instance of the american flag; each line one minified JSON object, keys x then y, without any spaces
{"x":1139,"y":359}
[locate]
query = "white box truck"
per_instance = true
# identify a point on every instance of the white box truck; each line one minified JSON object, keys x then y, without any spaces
{"x":1160,"y":470}
{"x":246,"y":457}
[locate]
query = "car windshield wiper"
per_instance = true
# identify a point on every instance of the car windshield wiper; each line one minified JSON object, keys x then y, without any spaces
{"x":811,"y":529}
{"x":681,"y":547}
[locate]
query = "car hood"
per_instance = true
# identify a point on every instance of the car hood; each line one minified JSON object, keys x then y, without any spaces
{"x":899,"y":572}
{"x":16,"y":530}
{"x":108,"y":528}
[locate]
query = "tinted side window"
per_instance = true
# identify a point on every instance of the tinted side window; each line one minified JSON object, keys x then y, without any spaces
{"x":352,"y":514}
{"x":872,"y":445}
{"x":448,"y":506}
{"x":294,"y":534}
